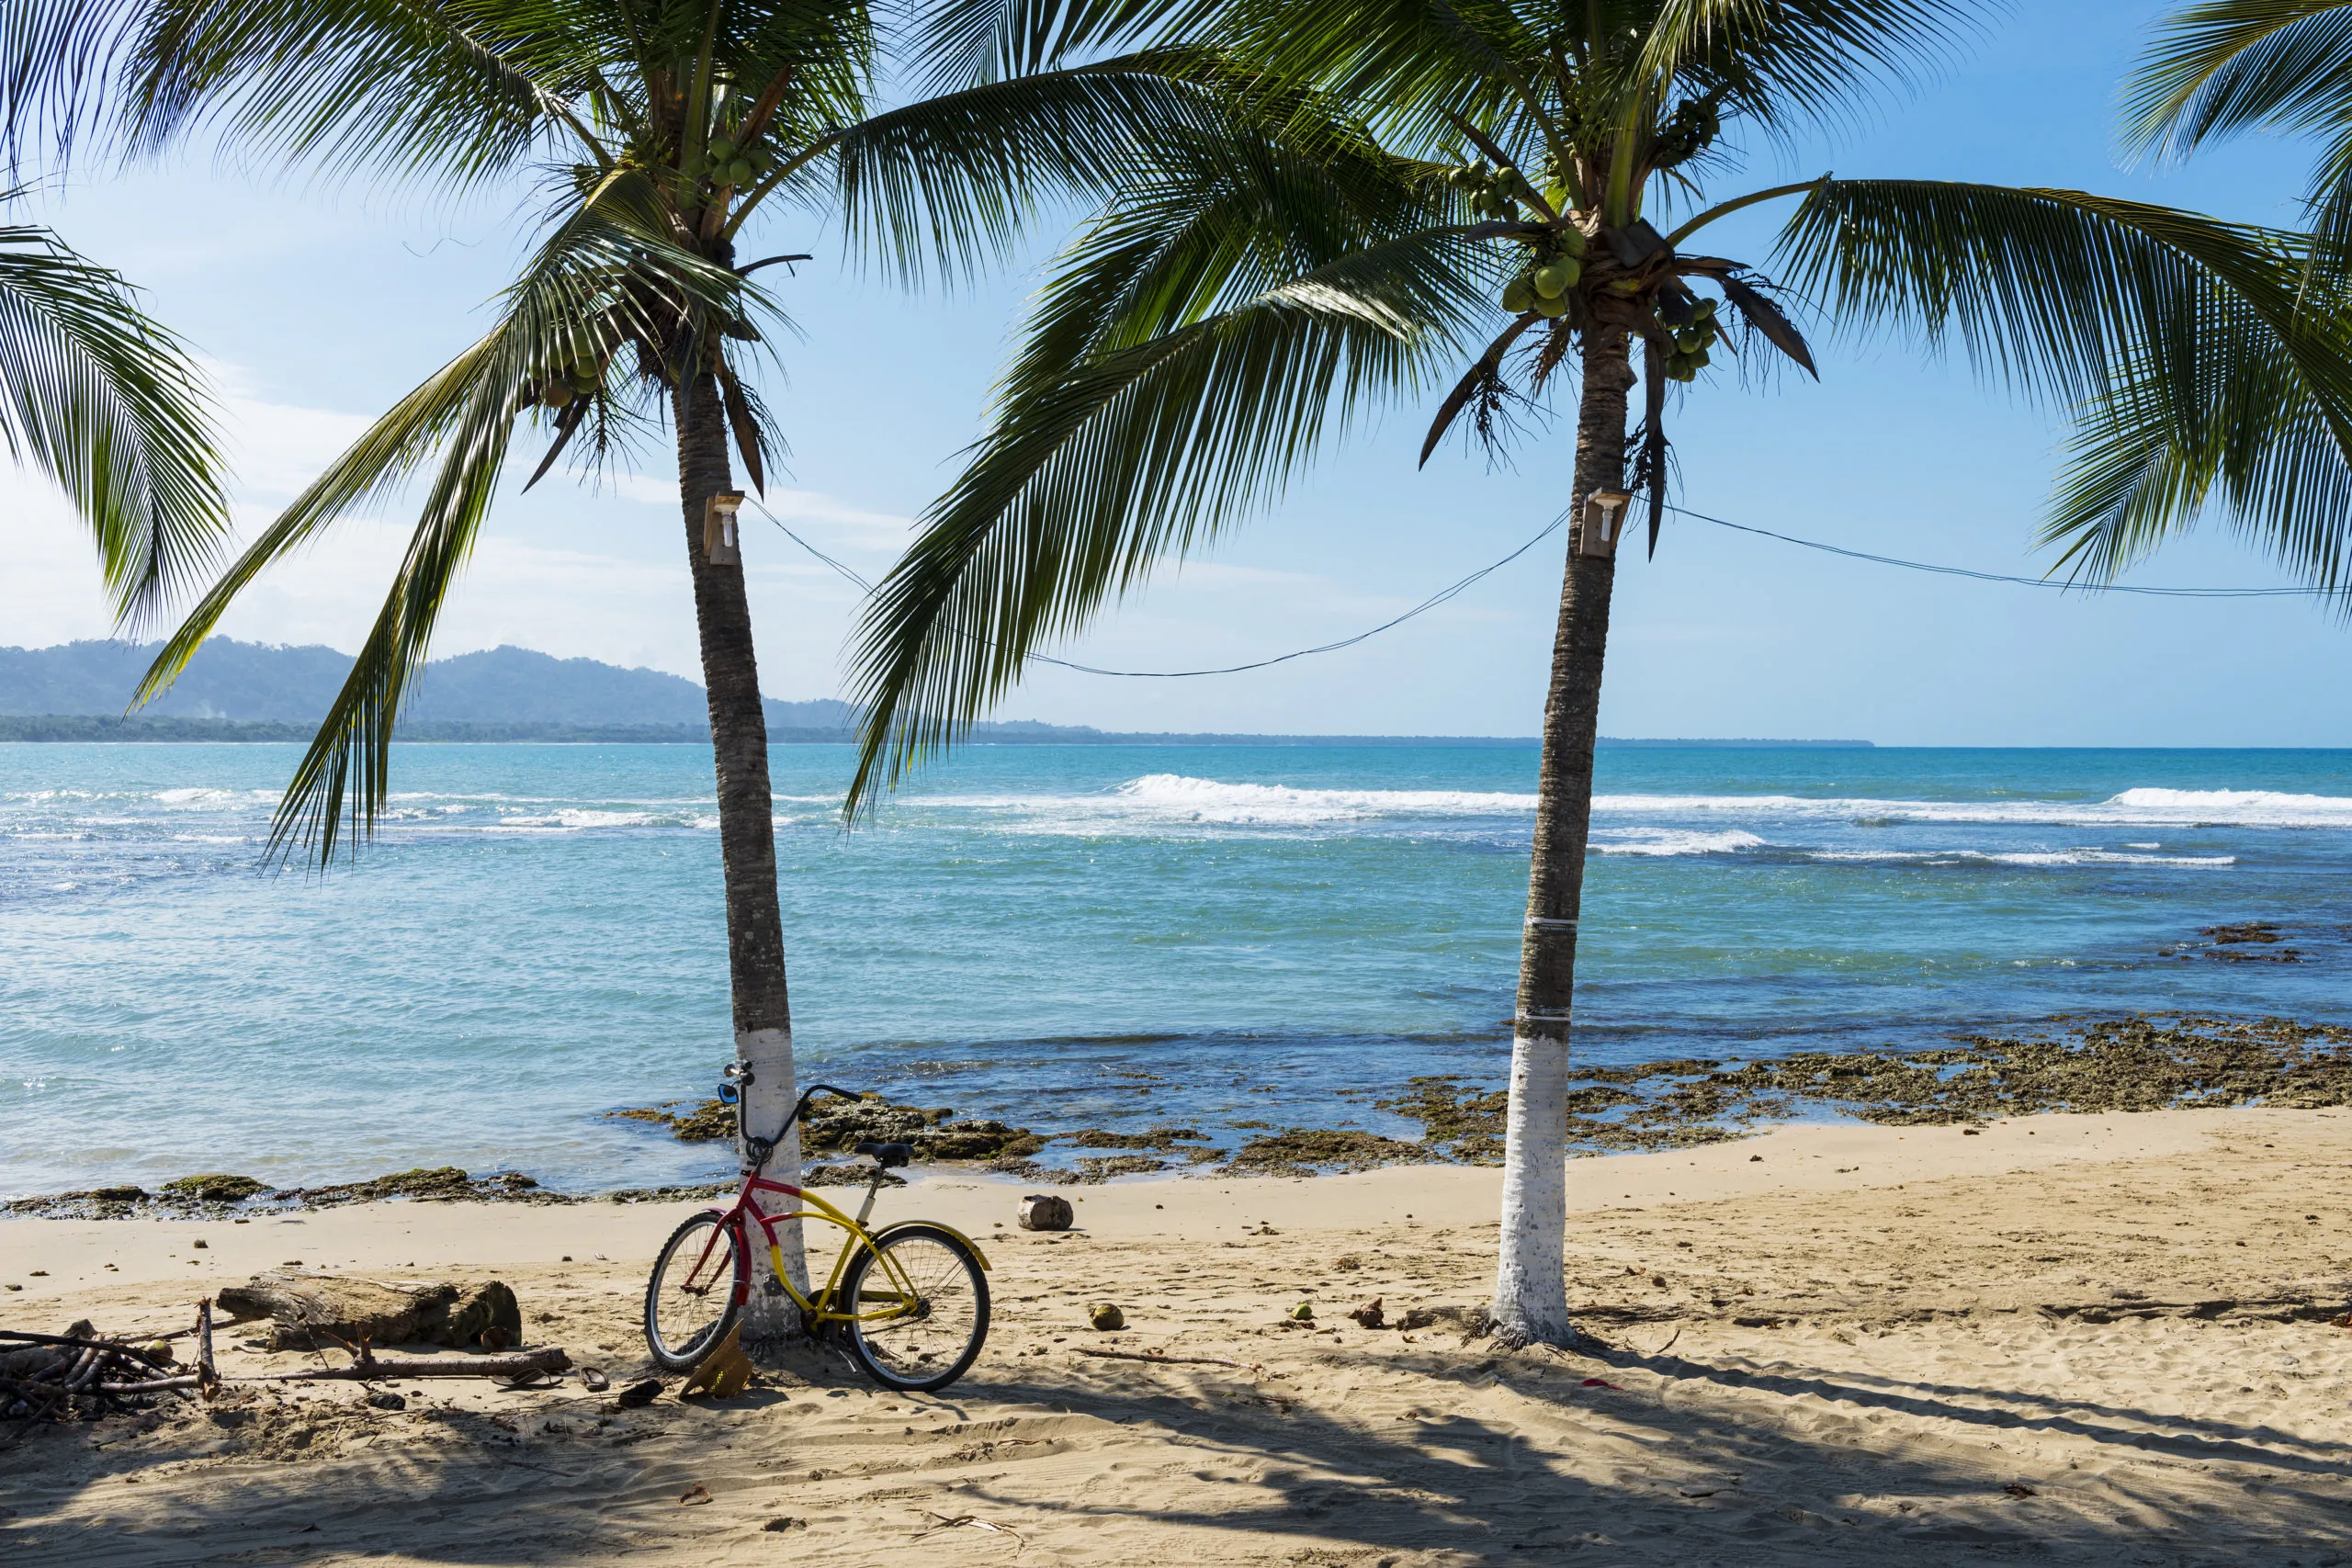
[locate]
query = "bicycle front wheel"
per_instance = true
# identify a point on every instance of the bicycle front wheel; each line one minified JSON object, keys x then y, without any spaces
{"x":696,"y":1293}
{"x":921,"y":1307}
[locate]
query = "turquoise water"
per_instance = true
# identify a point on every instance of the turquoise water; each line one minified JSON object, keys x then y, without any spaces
{"x":1069,"y":936}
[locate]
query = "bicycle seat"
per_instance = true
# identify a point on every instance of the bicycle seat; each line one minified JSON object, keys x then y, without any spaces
{"x":886,"y":1154}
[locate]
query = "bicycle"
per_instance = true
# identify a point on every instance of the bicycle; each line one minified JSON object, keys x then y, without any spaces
{"x":908,"y":1302}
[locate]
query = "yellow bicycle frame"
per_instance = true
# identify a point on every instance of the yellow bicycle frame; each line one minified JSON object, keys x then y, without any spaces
{"x":821,"y":1308}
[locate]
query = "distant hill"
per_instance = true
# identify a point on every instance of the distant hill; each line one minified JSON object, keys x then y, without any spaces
{"x":248,"y":682}
{"x":246,"y":691}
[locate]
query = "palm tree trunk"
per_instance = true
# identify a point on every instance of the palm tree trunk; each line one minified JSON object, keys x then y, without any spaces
{"x":1531,"y":1291}
{"x":739,"y":734}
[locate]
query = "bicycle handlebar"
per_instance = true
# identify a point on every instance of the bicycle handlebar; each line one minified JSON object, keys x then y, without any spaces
{"x":760,"y":1149}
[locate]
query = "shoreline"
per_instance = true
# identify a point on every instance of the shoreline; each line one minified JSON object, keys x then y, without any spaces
{"x":1797,"y":1160}
{"x":2137,"y":1064}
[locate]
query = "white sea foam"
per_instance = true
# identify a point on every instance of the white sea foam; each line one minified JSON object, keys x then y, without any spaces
{"x":2023,"y":857}
{"x":1170,"y":798}
{"x":2132,"y":807}
{"x":1671,"y":842}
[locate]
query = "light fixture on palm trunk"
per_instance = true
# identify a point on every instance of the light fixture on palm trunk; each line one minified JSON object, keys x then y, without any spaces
{"x":720,"y":543}
{"x":1604,"y":516}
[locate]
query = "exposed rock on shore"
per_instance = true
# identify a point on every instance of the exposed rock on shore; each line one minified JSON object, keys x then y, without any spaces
{"x":2132,"y":1064}
{"x":842,"y":1125}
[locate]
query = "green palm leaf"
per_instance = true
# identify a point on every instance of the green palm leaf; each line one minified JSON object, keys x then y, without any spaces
{"x":605,"y":263}
{"x":109,"y":405}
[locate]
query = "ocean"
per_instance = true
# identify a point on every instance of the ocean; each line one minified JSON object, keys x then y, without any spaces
{"x":1068,"y":937}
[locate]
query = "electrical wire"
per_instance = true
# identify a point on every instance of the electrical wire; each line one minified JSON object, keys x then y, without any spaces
{"x":1432,"y":602}
{"x":2003,"y":577}
{"x":1434,"y":599}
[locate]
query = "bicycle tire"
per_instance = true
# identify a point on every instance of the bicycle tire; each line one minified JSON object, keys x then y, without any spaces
{"x":684,"y":1249}
{"x":947,"y":1273}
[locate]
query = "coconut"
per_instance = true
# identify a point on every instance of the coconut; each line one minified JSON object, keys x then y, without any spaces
{"x":1555,"y":307}
{"x":1557,"y":276}
{"x":1572,"y":241}
{"x":555,"y":394}
{"x":721,"y":150}
{"x":739,"y":172}
{"x":1517,"y":295}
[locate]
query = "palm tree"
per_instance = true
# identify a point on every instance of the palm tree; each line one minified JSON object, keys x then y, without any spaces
{"x":112,"y":408}
{"x":2256,"y":445}
{"x":656,"y":131}
{"x":1202,"y":338}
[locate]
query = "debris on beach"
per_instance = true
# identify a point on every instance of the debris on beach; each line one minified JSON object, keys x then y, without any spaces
{"x":1370,"y":1315}
{"x":1106,"y":1316}
{"x":725,"y":1373}
{"x":1044,"y":1211}
{"x":307,"y":1311}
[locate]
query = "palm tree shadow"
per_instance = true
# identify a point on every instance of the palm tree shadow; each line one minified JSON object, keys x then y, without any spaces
{"x":1230,"y":1463}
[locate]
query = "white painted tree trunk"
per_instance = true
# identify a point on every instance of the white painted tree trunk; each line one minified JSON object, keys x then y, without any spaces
{"x":1530,"y":1287}
{"x":1531,"y":1290}
{"x":766,"y":1054}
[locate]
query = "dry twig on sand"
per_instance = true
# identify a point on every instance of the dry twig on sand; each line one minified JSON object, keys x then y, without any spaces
{"x":971,"y":1522}
{"x":1156,"y":1356}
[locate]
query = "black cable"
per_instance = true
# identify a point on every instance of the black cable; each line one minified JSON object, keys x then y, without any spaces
{"x":1432,"y":602}
{"x":2001,"y":577}
{"x":1434,"y":599}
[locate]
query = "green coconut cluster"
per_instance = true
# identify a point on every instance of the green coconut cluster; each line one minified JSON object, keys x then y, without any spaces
{"x":580,"y":375}
{"x":1493,"y":193}
{"x":1691,"y":343}
{"x":1555,"y":265}
{"x":726,"y":164}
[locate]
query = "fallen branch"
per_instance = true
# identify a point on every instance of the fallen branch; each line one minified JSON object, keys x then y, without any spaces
{"x":375,"y":1369}
{"x":1152,"y":1355}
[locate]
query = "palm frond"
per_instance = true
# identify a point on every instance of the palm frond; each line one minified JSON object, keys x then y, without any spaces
{"x":2154,"y":326}
{"x":943,"y":186}
{"x":606,"y":263}
{"x":2225,"y":66}
{"x":458,"y":90}
{"x":2231,"y":425}
{"x":1090,"y":477}
{"x":960,"y":44}
{"x":112,"y":408}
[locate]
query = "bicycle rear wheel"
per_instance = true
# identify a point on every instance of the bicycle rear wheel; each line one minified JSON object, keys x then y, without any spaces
{"x":922,"y":1306}
{"x":696,"y":1294}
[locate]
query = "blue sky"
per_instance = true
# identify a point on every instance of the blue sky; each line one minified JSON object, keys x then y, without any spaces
{"x":318,"y":309}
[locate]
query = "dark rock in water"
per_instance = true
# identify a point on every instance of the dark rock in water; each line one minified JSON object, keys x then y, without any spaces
{"x":215,"y":1188}
{"x":840,"y":1126}
{"x":2244,"y":931}
{"x":2130,"y":1064}
{"x":442,"y":1184}
{"x":1303,"y":1151}
{"x":1162,"y":1139}
{"x":1098,"y":1167}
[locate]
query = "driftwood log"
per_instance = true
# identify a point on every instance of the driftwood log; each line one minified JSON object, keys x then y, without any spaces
{"x":310,"y":1310}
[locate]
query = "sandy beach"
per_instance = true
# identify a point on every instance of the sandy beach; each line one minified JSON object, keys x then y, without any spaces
{"x":2073,"y":1340}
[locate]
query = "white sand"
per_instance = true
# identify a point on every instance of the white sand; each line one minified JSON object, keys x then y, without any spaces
{"x":1924,"y":1329}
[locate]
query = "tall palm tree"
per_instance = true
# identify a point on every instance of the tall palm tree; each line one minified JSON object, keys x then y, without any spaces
{"x":1202,"y":338}
{"x":2255,"y":447}
{"x":112,"y":408}
{"x":660,"y":135}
